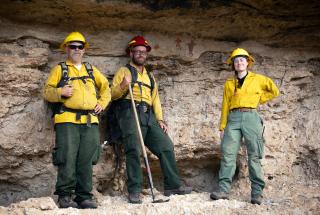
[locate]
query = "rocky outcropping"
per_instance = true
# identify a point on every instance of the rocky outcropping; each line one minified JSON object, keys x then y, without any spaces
{"x":190,"y":47}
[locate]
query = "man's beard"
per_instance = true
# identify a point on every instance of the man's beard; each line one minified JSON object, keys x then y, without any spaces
{"x":76,"y":57}
{"x":137,"y":62}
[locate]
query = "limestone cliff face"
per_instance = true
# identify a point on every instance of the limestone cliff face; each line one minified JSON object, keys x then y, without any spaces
{"x":191,"y":41}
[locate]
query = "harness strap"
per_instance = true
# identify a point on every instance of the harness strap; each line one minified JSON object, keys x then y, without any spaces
{"x":82,"y":78}
{"x":79,"y":113}
{"x":143,"y":84}
{"x":64,"y":69}
{"x":89,"y":71}
{"x":65,"y":77}
{"x":134,"y":77}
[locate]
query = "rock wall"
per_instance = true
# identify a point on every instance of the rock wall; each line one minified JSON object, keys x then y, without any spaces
{"x":188,"y":61}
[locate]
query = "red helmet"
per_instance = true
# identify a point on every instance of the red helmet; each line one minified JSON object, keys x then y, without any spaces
{"x":138,"y":41}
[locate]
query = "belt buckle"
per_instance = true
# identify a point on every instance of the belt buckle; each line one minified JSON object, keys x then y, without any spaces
{"x":145,"y":108}
{"x":142,"y":107}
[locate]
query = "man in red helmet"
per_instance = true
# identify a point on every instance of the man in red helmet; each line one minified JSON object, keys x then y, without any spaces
{"x":154,"y":130}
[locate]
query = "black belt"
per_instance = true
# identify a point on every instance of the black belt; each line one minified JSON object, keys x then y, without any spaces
{"x":242,"y":110}
{"x":79,"y":113}
{"x":142,"y":106}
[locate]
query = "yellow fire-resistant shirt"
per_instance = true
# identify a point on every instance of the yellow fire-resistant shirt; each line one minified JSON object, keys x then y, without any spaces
{"x":146,"y":96}
{"x":84,"y":94}
{"x":256,"y":89}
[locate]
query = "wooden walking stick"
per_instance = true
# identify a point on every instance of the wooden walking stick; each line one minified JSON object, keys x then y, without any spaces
{"x":144,"y":152}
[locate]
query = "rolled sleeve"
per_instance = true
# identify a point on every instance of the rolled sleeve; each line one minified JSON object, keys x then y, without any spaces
{"x":116,"y":90}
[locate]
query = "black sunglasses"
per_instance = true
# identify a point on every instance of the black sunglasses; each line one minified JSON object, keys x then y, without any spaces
{"x":80,"y":47}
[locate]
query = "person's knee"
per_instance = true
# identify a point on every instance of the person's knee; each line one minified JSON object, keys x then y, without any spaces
{"x":131,"y":146}
{"x":254,"y":158}
{"x":228,"y":158}
{"x":166,"y":148}
{"x":132,"y":152}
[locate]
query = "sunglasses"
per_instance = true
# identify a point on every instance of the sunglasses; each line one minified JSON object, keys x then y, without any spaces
{"x":74,"y":47}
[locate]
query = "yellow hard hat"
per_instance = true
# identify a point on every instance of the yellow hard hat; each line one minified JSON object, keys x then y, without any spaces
{"x":72,"y":37}
{"x":240,"y":52}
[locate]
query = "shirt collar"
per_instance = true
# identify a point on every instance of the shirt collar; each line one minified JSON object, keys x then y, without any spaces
{"x":68,"y":62}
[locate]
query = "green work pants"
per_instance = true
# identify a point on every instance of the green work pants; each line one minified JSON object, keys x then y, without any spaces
{"x":155,"y":140}
{"x":77,"y":149}
{"x":247,"y":125}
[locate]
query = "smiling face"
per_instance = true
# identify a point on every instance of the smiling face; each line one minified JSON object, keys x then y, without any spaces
{"x":75,"y":51}
{"x":240,"y":64}
{"x":138,"y":55}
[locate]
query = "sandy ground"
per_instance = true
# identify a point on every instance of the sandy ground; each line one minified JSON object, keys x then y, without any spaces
{"x":295,"y":203}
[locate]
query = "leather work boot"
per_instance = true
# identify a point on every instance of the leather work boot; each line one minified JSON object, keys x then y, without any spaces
{"x":134,"y":198}
{"x":219,"y":195}
{"x":180,"y":191}
{"x":256,"y":199}
{"x":66,"y":202}
{"x":88,"y":203}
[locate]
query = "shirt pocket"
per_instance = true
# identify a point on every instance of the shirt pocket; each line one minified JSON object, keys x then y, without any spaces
{"x":260,"y":144}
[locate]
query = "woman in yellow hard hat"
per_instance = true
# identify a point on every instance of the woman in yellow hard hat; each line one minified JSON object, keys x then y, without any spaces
{"x":240,"y":52}
{"x":240,"y":119}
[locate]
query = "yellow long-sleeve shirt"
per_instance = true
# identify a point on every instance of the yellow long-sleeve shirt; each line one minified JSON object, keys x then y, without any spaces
{"x":84,"y":94}
{"x":256,"y":89}
{"x":146,"y":96}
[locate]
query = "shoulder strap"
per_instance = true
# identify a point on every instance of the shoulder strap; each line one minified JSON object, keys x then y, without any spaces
{"x":134,"y":78}
{"x":64,"y":69}
{"x":152,"y":81}
{"x":134,"y":74}
{"x":89,"y":71}
{"x":64,"y":74}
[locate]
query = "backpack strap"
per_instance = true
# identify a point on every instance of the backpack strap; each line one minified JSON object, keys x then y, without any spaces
{"x":134,"y":74}
{"x":64,"y":74}
{"x":90,"y":71}
{"x":152,"y":81}
{"x":65,"y":79}
{"x":64,"y":69}
{"x":134,"y":78}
